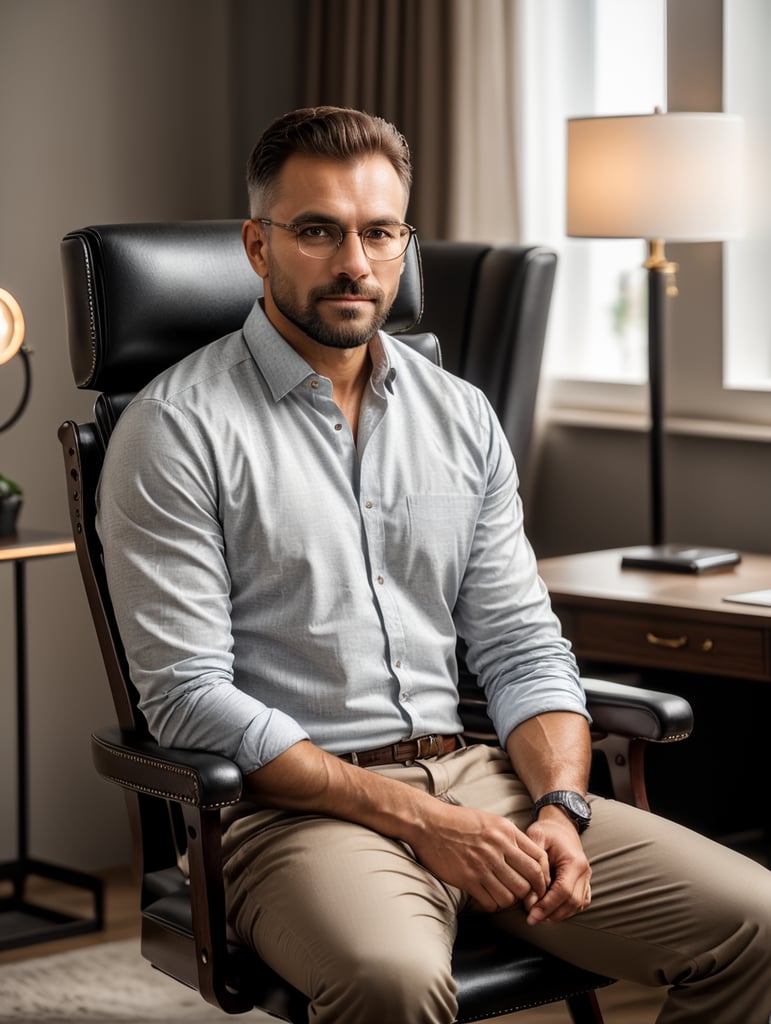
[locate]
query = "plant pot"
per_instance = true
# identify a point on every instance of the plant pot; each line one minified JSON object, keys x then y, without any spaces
{"x":9,"y":513}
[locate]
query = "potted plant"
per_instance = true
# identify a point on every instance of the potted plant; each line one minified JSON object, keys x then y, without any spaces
{"x":11,"y":499}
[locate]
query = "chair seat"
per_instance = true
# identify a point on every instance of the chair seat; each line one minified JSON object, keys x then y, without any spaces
{"x":487,"y":965}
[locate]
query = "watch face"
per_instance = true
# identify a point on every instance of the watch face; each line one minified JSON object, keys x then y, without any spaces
{"x":578,"y":805}
{"x":573,"y":804}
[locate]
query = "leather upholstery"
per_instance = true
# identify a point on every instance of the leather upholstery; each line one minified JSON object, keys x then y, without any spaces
{"x":489,"y":307}
{"x":138,"y":297}
{"x":141,"y":296}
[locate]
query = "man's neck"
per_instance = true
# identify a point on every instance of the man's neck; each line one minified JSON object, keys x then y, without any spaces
{"x":348,"y":369}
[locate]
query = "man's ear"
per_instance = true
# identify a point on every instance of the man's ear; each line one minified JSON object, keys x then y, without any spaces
{"x":253,"y":236}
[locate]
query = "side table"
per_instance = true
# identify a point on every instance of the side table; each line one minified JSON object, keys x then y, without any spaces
{"x":22,"y":922}
{"x":677,"y":632}
{"x":675,"y":621}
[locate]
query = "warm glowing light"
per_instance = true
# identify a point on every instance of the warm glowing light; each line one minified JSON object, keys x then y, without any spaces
{"x":676,"y":177}
{"x":11,"y":326}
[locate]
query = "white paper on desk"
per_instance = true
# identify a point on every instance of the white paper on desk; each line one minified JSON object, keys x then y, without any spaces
{"x":751,"y":597}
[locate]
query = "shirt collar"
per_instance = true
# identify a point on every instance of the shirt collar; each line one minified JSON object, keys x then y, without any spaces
{"x":383,"y":371}
{"x":284,"y":368}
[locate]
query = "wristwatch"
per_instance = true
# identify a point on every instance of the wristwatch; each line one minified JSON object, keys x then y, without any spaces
{"x":573,"y":804}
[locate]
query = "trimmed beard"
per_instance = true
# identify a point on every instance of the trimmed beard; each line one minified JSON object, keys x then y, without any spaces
{"x":341,"y":336}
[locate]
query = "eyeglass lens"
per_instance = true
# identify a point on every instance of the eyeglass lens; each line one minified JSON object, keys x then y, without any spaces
{"x":386,"y":242}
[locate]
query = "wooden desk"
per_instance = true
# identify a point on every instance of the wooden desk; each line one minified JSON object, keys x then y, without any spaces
{"x":675,"y":632}
{"x":666,"y":620}
{"x":21,"y":921}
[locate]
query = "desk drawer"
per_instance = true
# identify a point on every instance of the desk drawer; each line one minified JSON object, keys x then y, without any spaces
{"x":665,"y":642}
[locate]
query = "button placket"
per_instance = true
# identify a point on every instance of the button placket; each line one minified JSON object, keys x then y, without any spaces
{"x":373,"y":526}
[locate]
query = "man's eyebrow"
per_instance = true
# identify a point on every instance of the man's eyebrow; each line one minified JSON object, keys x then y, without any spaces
{"x":313,"y":218}
{"x":324,"y":218}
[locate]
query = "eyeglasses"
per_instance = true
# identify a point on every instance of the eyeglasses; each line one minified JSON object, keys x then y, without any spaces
{"x":322,"y":240}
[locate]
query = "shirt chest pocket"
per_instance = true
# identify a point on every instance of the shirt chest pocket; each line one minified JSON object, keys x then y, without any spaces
{"x":440,"y":534}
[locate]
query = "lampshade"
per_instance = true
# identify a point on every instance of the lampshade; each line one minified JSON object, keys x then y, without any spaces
{"x":676,"y":177}
{"x":11,"y":326}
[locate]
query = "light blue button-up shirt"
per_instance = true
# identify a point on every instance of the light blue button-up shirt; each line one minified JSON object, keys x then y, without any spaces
{"x":274,"y":581}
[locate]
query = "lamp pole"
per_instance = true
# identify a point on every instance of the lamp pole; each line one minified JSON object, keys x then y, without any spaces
{"x":662,"y":285}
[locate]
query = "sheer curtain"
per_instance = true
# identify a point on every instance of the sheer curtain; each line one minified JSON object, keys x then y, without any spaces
{"x":445,"y":72}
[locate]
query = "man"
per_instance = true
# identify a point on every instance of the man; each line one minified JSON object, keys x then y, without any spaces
{"x":298,"y":521}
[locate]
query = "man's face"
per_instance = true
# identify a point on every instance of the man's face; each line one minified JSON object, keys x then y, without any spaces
{"x":342,"y":301}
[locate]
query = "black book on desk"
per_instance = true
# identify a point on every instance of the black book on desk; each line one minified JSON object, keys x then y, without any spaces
{"x":678,"y":558}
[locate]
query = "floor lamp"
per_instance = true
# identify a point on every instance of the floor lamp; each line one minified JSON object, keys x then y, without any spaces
{"x":673,"y":177}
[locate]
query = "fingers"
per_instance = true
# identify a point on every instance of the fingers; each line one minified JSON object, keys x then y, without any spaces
{"x":507,"y":867}
{"x":502,"y":882}
{"x":483,"y":854}
{"x":563,"y":900}
{"x":570,"y":891}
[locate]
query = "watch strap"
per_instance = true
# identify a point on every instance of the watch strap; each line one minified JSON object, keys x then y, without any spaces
{"x":565,"y":799}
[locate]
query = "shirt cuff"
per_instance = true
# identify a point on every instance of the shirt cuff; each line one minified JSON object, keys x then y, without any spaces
{"x":265,"y":738}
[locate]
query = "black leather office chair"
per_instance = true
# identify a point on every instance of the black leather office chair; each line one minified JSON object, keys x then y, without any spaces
{"x":138,"y":298}
{"x":489,"y":306}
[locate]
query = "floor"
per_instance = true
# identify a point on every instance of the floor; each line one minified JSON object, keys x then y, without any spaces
{"x":621,"y":1003}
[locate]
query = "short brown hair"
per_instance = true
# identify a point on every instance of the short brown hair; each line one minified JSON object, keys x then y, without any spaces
{"x":339,"y":133}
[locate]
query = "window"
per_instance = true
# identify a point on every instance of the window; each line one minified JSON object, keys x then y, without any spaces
{"x":588,"y":57}
{"x":747,"y":91}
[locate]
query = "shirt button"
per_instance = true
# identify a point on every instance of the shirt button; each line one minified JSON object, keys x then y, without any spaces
{"x":338,"y":426}
{"x":404,"y":696}
{"x":380,"y":579}
{"x":367,"y":504}
{"x":314,"y":383}
{"x":398,"y":663}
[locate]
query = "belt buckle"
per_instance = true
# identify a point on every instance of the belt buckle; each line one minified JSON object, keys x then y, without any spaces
{"x":428,"y":746}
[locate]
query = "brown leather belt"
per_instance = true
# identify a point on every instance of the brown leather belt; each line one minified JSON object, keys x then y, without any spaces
{"x":400,"y":753}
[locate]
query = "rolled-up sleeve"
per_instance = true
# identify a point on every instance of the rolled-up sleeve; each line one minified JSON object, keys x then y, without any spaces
{"x":514,"y":639}
{"x":170,"y":586}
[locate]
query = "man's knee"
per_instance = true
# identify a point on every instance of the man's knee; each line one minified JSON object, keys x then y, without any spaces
{"x":396,"y":987}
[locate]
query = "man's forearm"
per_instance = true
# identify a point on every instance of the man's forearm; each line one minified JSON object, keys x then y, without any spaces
{"x":306,"y":778}
{"x":551,"y":751}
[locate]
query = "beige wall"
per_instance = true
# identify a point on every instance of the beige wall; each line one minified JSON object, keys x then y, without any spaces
{"x":110,"y":110}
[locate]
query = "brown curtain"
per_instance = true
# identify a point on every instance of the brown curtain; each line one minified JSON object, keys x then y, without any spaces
{"x":444,"y":72}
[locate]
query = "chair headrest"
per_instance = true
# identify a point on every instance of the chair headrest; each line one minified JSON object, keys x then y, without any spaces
{"x":140,"y":297}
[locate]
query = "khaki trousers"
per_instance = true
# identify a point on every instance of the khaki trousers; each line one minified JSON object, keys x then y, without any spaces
{"x":350,"y":918}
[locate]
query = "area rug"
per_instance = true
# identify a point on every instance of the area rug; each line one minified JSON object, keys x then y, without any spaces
{"x":105,"y":983}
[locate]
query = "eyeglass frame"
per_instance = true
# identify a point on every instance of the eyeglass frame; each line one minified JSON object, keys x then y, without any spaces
{"x":296,"y":228}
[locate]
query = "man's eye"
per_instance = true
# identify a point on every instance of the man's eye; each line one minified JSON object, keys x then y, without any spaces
{"x":380,"y":234}
{"x":318,"y":232}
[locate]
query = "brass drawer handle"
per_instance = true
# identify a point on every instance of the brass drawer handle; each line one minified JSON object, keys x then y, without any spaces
{"x":673,"y":642}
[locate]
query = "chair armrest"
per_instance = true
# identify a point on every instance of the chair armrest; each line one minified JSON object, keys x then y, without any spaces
{"x":193,"y":777}
{"x":624,"y":720}
{"x":637,"y":713}
{"x":201,"y":783}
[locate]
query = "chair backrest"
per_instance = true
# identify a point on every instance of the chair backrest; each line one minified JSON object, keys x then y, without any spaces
{"x":489,"y":307}
{"x":138,"y":298}
{"x":141,"y":296}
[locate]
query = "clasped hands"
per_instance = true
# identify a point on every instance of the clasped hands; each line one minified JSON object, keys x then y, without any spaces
{"x":498,"y":865}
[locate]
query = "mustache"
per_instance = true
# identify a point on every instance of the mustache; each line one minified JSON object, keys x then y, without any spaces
{"x":353,"y":288}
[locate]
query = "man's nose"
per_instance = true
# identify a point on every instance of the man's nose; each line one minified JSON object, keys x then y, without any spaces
{"x":350,"y":258}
